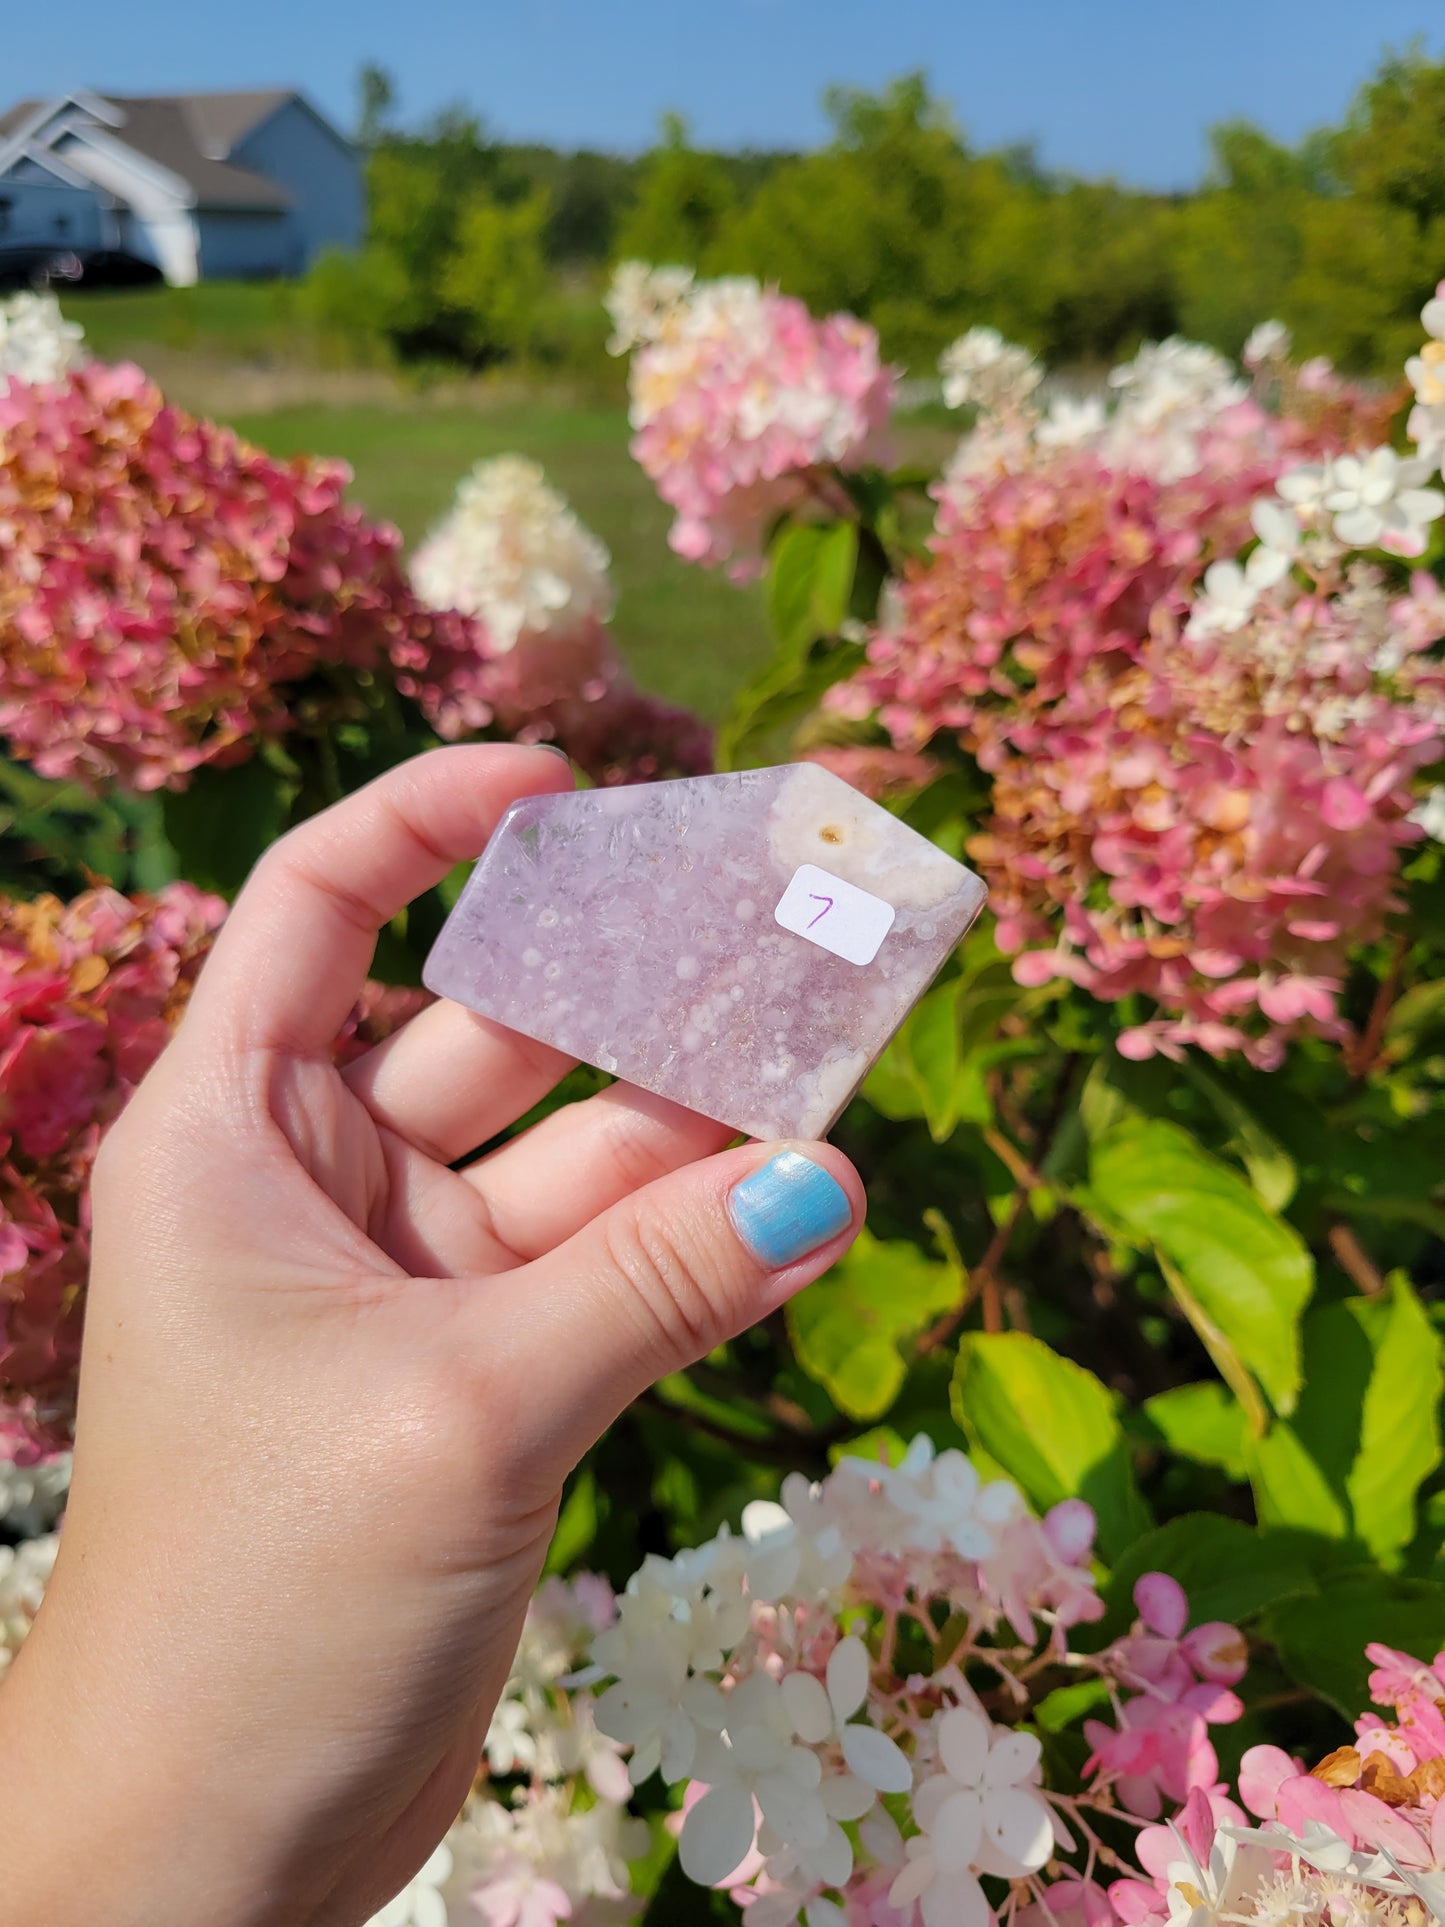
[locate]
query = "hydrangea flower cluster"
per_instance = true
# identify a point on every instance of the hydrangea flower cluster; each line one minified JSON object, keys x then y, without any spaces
{"x":169,"y":594}
{"x":1202,"y":770}
{"x":545,"y":1834}
{"x":36,"y":342}
{"x":1356,"y":1841}
{"x":514,"y":559}
{"x":90,"y":992}
{"x":742,"y":404}
{"x":844,"y":1760}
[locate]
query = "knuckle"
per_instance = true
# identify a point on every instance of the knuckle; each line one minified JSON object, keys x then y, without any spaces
{"x":665,"y":1283}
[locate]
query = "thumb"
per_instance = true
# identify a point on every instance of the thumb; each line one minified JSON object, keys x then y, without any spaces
{"x":659,"y":1280}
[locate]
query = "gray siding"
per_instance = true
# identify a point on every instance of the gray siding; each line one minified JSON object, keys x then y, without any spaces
{"x":47,"y":213}
{"x":237,"y":245}
{"x":321,"y":172}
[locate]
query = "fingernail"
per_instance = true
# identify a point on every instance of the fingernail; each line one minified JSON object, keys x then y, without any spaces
{"x":552,"y":749}
{"x":787,"y":1208}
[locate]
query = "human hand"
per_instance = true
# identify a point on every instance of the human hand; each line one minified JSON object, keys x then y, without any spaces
{"x":331,"y":1388}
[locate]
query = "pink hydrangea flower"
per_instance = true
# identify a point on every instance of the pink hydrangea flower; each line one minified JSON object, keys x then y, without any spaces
{"x":90,"y":992}
{"x":742,"y":405}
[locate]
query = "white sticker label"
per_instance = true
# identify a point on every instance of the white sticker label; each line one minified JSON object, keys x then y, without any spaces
{"x":835,"y":915}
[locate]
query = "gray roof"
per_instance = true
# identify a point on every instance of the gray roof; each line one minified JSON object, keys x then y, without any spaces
{"x":192,"y":135}
{"x":163,"y":128}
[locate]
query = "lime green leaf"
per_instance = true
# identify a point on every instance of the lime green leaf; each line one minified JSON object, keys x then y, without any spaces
{"x":1230,"y":1571}
{"x":1246,"y":1272}
{"x":1366,"y":1432}
{"x":775,"y":700}
{"x":1400,"y":1425}
{"x":576,"y":1523}
{"x":1052,"y":1426}
{"x":1066,"y":1704}
{"x":809,"y":582}
{"x":1290,"y":1488}
{"x":1202,"y":1422}
{"x":1417,"y":1021}
{"x":849,"y":1329}
{"x":1321,"y":1640}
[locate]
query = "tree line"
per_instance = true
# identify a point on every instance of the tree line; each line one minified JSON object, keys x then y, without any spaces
{"x":482,"y":251}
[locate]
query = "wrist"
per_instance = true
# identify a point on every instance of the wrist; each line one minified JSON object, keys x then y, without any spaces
{"x":103,"y":1819}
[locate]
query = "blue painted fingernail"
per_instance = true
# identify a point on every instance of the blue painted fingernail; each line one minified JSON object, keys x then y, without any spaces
{"x":787,"y":1208}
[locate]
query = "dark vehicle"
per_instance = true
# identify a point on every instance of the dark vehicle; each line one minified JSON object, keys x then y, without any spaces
{"x":48,"y":267}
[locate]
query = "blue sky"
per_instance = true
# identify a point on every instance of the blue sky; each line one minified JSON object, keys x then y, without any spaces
{"x":1121,"y":87}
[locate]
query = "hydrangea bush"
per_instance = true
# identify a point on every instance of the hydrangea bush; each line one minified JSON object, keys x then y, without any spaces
{"x":1036,"y":1564}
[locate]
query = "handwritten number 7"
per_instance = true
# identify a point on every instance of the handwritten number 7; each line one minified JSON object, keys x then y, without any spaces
{"x":827,"y":903}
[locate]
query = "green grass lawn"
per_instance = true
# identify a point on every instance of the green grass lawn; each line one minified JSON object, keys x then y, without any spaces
{"x":687,"y":633}
{"x":237,"y":320}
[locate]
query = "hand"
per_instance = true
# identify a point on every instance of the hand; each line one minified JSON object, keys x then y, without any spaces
{"x":331,"y":1389}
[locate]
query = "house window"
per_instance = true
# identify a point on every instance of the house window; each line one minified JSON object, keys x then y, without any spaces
{"x":5,"y":207}
{"x":62,"y":224}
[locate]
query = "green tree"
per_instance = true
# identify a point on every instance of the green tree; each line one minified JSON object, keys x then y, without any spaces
{"x":1392,"y":146}
{"x":684,"y":200}
{"x":495,"y":278}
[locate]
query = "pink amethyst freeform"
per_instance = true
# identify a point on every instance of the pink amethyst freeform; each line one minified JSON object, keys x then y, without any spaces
{"x":634,"y":928}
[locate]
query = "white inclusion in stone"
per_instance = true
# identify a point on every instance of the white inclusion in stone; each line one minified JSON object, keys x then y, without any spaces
{"x":688,"y":968}
{"x":633,"y":900}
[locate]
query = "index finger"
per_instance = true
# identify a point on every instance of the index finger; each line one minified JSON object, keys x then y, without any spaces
{"x":295,"y":950}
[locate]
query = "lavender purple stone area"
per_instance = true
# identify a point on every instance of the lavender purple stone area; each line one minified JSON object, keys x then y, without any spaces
{"x":635,"y":929}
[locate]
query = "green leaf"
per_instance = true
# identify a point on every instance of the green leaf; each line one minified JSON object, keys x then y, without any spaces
{"x":1321,"y":1640}
{"x":1052,"y":1426}
{"x":1366,"y":1433}
{"x":937,"y":1065}
{"x":576,"y":1523}
{"x":1271,"y":1169}
{"x":1230,"y":1571}
{"x":1066,"y":1704}
{"x":849,"y":1329}
{"x":775,"y":700}
{"x":1400,"y":1426}
{"x":1417,"y":1021}
{"x":1237,"y":1270}
{"x":1290,"y":1488}
{"x":1202,"y":1422}
{"x":223,"y":822}
{"x":809,"y":582}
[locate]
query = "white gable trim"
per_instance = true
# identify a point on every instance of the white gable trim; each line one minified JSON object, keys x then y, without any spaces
{"x":48,"y":160}
{"x":109,"y":163}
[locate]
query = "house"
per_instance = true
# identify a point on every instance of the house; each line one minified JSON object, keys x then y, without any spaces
{"x":204,"y":186}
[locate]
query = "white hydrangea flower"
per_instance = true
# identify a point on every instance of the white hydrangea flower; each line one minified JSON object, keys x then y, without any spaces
{"x":994,"y":374}
{"x":1430,"y":814}
{"x":24,"y":1574}
{"x":642,"y":300}
{"x":1217,"y":1893}
{"x":1170,"y":395}
{"x":1377,"y":501}
{"x":32,"y":1497}
{"x":1268,"y":342}
{"x":36,"y":342}
{"x":1230,"y":591}
{"x":1072,"y":422}
{"x":978,"y":1815}
{"x":512,"y":552}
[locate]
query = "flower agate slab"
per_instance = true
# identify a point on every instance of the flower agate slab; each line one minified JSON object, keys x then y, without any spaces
{"x":745,"y":945}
